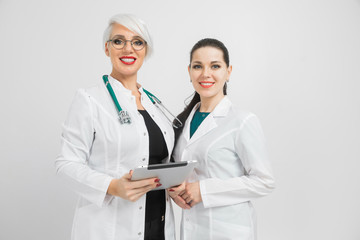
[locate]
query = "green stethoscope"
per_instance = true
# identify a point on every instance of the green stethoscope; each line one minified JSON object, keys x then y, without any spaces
{"x":124,"y":116}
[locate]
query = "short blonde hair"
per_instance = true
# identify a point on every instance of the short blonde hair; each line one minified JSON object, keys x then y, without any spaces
{"x":134,"y":24}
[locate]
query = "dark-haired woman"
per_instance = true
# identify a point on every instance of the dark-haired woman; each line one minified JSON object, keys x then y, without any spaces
{"x":229,"y":145}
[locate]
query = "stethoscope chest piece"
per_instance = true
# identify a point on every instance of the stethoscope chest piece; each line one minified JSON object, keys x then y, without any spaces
{"x":124,"y":117}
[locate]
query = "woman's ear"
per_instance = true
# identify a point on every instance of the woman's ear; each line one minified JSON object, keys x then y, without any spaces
{"x":229,"y":70}
{"x":107,"y":52}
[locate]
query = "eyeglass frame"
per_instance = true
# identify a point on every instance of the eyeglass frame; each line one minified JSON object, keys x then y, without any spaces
{"x":125,"y":42}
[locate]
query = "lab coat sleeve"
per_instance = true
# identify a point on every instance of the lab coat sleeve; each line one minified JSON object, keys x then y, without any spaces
{"x":76,"y":142}
{"x":258,"y":179}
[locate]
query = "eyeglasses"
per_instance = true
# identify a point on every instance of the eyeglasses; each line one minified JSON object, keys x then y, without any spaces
{"x":119,"y":43}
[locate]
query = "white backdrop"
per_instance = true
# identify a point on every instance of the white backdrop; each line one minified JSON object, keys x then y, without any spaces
{"x":296,"y":64}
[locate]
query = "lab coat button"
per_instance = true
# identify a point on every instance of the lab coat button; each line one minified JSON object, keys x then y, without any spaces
{"x":139,"y":233}
{"x":165,"y":132}
{"x":144,"y":133}
{"x":144,"y":159}
{"x":140,"y":207}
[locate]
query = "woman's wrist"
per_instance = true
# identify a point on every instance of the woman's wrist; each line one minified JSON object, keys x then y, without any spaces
{"x":112,"y":189}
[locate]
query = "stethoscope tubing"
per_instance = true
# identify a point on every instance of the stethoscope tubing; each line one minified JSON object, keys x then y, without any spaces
{"x":124,"y":116}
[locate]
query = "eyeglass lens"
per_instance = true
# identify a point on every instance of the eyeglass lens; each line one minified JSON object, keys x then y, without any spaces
{"x":120,"y":43}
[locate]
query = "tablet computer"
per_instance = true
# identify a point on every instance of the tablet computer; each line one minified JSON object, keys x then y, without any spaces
{"x":170,"y":174}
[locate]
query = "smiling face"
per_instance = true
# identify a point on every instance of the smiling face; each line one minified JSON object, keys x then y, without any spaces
{"x":125,"y":62}
{"x":209,"y":72}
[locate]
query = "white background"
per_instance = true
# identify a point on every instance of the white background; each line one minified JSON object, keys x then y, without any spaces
{"x":296,"y":64}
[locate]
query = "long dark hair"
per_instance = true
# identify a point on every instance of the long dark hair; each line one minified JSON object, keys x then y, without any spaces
{"x":206,"y":42}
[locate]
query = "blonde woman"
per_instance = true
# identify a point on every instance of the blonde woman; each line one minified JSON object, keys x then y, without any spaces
{"x":112,"y":128}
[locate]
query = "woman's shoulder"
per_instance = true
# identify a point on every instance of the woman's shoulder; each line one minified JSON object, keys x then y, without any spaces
{"x":241,"y":115}
{"x":94,"y":91}
{"x":92,"y":95}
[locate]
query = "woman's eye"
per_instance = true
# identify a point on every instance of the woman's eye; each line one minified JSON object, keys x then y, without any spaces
{"x":196,"y":67}
{"x":138,"y":42}
{"x":215,"y":66}
{"x":118,"y":41}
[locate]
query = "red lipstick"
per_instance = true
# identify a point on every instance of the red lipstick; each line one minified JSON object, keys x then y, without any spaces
{"x":128,"y":60}
{"x":206,"y":84}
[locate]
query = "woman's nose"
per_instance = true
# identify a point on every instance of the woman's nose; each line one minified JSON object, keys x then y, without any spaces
{"x":128,"y":47}
{"x":206,"y":72}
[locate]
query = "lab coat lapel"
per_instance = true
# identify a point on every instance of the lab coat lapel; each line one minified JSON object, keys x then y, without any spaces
{"x":206,"y":126}
{"x":186,"y":130}
{"x":166,"y":129}
{"x":209,"y":122}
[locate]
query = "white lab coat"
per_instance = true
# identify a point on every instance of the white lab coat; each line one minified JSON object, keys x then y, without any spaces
{"x":95,"y":149}
{"x":233,"y":169}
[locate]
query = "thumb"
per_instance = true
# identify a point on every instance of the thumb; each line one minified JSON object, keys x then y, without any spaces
{"x":128,"y":175}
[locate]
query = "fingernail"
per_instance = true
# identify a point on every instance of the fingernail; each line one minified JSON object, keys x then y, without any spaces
{"x":171,"y":190}
{"x":157,"y":180}
{"x":158,"y":185}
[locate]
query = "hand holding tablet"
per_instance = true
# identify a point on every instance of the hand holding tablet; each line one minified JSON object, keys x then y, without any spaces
{"x":170,"y":174}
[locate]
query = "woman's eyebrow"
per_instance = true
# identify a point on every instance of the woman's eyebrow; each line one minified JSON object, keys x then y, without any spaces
{"x":122,"y":36}
{"x":118,"y":35}
{"x":212,"y":62}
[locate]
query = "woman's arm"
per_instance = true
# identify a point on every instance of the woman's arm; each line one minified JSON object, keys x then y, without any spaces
{"x":258,"y":180}
{"x":71,"y":164}
{"x":76,"y":142}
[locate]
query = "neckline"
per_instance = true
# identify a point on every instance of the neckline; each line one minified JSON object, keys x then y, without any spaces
{"x":198,"y":111}
{"x":201,"y":114}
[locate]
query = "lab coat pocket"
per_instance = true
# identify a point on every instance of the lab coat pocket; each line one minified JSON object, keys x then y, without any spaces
{"x":235,"y":221}
{"x":93,"y":222}
{"x":226,"y":231}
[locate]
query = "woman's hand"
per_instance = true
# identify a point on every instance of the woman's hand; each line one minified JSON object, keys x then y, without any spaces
{"x":191,"y":194}
{"x":131,"y":190}
{"x":174,"y":194}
